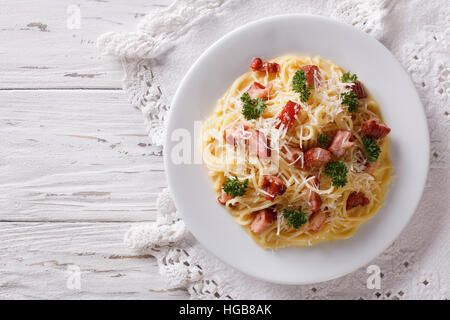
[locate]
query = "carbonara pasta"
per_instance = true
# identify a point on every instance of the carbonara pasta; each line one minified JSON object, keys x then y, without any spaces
{"x":297,"y":152}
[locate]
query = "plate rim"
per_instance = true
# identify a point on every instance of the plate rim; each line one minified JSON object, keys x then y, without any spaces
{"x":175,"y":102}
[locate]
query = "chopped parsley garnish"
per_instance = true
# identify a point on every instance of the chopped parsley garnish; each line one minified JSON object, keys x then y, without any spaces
{"x":350,"y":99}
{"x":234,"y":187}
{"x":371,"y":149}
{"x":295,"y":218}
{"x":299,"y":84}
{"x":348,"y":77}
{"x":337,"y":171}
{"x":252,"y":108}
{"x":323,"y":140}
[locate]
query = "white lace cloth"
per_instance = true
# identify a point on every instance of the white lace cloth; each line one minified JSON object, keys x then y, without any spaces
{"x":169,"y":40}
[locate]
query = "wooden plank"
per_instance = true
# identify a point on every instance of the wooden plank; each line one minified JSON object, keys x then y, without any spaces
{"x":75,"y":165}
{"x":40,"y":51}
{"x":75,"y":155}
{"x":35,"y":257}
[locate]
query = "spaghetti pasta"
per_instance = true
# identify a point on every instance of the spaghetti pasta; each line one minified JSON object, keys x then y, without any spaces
{"x":322,"y":114}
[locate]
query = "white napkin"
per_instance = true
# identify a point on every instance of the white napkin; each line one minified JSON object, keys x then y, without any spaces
{"x":166,"y":44}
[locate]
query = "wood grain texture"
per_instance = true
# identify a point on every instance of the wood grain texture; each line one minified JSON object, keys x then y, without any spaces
{"x":42,"y":52}
{"x":34,"y":261}
{"x":76,"y":170}
{"x":84,"y":151}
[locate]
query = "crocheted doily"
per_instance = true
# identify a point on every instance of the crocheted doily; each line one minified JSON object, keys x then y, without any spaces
{"x":167,"y":42}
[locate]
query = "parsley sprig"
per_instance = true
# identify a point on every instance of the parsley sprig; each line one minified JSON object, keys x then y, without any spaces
{"x":337,"y":171}
{"x":295,"y":218}
{"x":348,"y":77}
{"x":350,"y":99}
{"x":323,"y":140}
{"x":371,"y":148}
{"x":234,"y":187}
{"x":252,"y":108}
{"x":300,"y":85}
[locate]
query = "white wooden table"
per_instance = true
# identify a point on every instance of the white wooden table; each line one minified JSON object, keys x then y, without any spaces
{"x":76,"y":170}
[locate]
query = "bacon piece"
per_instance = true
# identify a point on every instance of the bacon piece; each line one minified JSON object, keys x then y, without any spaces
{"x":309,"y":73}
{"x":357,"y":199}
{"x":274,"y":186}
{"x":371,"y":167}
{"x":341,"y":142}
{"x":317,"y":157}
{"x":256,"y":64}
{"x":258,"y":145}
{"x":374,"y":129}
{"x":313,"y":197}
{"x":224,"y":197}
{"x":270,"y":67}
{"x":257,"y":90}
{"x":287,"y":115}
{"x":293,"y":154}
{"x":234,"y":135}
{"x":358,"y":88}
{"x":317,"y":221}
{"x":263,"y":219}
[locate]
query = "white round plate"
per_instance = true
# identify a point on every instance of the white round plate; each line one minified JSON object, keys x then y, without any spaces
{"x":209,"y":78}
